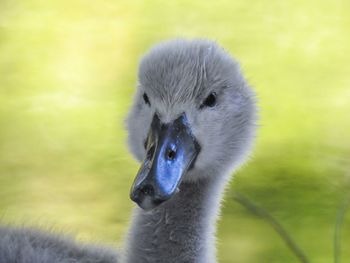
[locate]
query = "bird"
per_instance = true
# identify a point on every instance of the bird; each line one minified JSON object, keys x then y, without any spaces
{"x":191,"y":125}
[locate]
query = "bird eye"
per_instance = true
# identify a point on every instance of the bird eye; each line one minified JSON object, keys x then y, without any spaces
{"x":210,"y":101}
{"x":146,"y":99}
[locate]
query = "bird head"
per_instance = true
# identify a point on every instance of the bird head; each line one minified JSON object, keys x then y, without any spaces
{"x":193,"y":117}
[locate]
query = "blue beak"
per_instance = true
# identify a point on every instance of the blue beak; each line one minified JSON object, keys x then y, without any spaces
{"x":171,"y":152}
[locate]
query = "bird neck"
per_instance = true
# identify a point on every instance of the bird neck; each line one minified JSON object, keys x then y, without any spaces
{"x":181,"y":229}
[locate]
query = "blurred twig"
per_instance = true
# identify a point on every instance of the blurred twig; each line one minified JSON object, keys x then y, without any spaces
{"x":337,"y":229}
{"x":260,"y":212}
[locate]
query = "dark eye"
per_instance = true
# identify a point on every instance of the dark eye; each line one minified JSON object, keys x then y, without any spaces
{"x":146,"y":99}
{"x":210,"y":101}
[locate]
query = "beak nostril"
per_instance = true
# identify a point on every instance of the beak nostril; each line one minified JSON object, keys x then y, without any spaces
{"x":171,"y":154}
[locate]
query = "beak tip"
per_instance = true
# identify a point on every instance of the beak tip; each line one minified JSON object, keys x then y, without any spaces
{"x":146,"y":198}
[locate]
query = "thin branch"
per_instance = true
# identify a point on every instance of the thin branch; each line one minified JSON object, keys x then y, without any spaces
{"x":260,"y":212}
{"x":337,"y":229}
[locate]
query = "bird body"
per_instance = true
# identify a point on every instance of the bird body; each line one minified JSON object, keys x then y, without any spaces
{"x":192,"y":123}
{"x":27,"y":245}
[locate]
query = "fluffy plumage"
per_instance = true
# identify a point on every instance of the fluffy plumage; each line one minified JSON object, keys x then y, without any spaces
{"x":177,"y":76}
{"x":26,"y":245}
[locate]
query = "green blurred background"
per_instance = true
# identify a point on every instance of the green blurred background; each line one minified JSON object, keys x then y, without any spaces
{"x":67,"y":75}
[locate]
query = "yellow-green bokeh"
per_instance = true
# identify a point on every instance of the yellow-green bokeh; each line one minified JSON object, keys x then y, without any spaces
{"x":67,"y":75}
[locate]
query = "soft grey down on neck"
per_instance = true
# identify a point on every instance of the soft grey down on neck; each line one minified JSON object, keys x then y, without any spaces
{"x":180,"y":230}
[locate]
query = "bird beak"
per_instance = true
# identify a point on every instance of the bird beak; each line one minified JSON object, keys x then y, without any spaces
{"x":171,"y":151}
